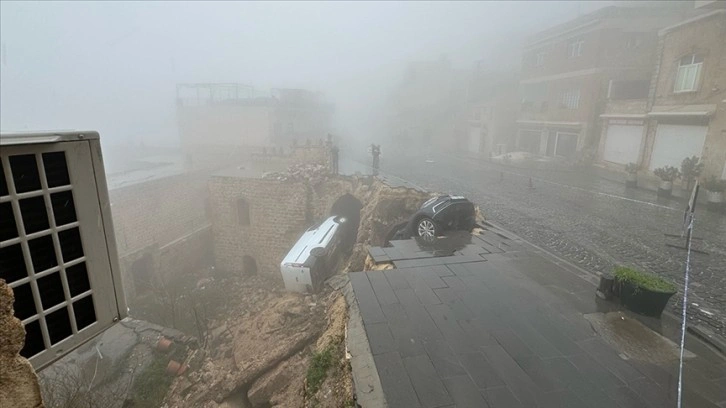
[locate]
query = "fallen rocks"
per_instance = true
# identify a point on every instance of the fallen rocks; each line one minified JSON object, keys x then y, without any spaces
{"x":277,"y":380}
{"x":301,"y":172}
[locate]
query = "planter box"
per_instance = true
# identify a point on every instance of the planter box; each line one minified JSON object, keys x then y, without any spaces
{"x":665,"y":188}
{"x":643,"y":301}
{"x":715,"y":200}
{"x":631,"y":180}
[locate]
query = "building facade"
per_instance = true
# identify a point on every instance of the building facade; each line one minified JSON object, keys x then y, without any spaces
{"x":217,"y":119}
{"x":569,"y":71}
{"x":428,"y":107}
{"x":491,"y":114}
{"x":684,"y":112}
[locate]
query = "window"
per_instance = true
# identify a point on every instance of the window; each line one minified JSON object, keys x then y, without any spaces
{"x":534,"y":93}
{"x":539,"y":59}
{"x":571,"y":99}
{"x":243,"y":212}
{"x":574,"y":48}
{"x":689,"y":72}
{"x":534,"y":97}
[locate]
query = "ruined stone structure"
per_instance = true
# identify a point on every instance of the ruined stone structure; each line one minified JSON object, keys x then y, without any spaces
{"x":222,"y":117}
{"x":19,"y":384}
{"x":161,"y":227}
{"x":256,"y":221}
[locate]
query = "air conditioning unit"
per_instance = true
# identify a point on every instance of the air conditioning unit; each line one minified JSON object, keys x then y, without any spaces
{"x":57,"y":247}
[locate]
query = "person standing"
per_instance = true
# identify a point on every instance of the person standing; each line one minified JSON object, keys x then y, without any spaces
{"x":376,"y":152}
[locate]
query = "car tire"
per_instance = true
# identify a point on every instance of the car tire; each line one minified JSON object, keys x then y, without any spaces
{"x":469,"y":224}
{"x":426,"y":228}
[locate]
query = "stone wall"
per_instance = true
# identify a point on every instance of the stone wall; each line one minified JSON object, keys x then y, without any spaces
{"x":280,"y":211}
{"x":164,"y":222}
{"x":319,"y":154}
{"x":277,"y":211}
{"x":18,"y":382}
{"x":225,"y":125}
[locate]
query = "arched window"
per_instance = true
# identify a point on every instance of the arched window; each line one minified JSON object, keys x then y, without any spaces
{"x":243,"y":212}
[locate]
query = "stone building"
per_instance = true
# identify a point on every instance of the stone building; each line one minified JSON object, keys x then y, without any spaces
{"x":257,"y":218}
{"x":684,"y":112}
{"x":570,"y":70}
{"x":161,"y":226}
{"x":257,"y":215}
{"x":428,"y":107}
{"x":491,"y":113}
{"x":220,"y":121}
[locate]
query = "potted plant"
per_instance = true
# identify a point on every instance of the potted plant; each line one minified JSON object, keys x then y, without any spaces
{"x":642,"y":292}
{"x":691,"y":168}
{"x":666,"y":174}
{"x":631,"y":176}
{"x":714,"y":193}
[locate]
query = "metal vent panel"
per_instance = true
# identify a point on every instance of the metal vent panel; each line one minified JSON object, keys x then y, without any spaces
{"x":54,"y":251}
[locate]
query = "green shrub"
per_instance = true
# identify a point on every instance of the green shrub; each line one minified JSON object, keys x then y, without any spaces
{"x":691,"y":167}
{"x":151,"y":384}
{"x":644,"y":280}
{"x":318,"y":369}
{"x":667,"y":173}
{"x":631,"y":168}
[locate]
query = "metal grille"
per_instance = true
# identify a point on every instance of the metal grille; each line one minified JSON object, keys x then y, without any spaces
{"x":41,"y":251}
{"x":57,"y":250}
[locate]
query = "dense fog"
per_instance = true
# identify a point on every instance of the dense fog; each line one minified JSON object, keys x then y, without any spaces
{"x":114,"y":66}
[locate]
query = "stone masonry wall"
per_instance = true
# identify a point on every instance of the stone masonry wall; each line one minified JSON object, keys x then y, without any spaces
{"x":165,"y":219}
{"x":18,"y":382}
{"x":316,"y":154}
{"x":278,"y":214}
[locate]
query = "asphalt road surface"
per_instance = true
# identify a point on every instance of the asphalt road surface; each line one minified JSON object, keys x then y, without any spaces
{"x":591,"y":222}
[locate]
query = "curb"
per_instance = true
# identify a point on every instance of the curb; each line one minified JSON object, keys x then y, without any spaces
{"x":367,"y":387}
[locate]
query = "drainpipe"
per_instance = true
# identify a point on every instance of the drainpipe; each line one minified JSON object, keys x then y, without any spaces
{"x":650,"y":133}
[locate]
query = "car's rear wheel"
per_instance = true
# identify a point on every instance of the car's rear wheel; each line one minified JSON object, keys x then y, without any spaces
{"x":426,"y":228}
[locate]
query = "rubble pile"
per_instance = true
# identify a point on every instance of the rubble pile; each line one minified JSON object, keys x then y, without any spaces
{"x":337,"y":389}
{"x":384,"y":207}
{"x":313,"y":173}
{"x":259,"y":354}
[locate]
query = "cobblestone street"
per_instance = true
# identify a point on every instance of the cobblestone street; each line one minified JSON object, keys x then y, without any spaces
{"x":591,"y":222}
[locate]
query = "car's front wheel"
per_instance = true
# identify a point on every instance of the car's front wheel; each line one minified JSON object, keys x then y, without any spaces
{"x":426,"y":228}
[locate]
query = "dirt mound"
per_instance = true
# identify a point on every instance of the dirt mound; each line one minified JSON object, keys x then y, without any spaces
{"x":336,"y":389}
{"x":384,"y":208}
{"x":265,"y":327}
{"x":275,"y":348}
{"x":282,"y":386}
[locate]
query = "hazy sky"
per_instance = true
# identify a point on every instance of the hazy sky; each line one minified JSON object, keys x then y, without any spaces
{"x":113,"y":66}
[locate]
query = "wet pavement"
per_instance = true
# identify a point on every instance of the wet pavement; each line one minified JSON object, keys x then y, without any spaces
{"x":517,"y":328}
{"x":591,"y":222}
